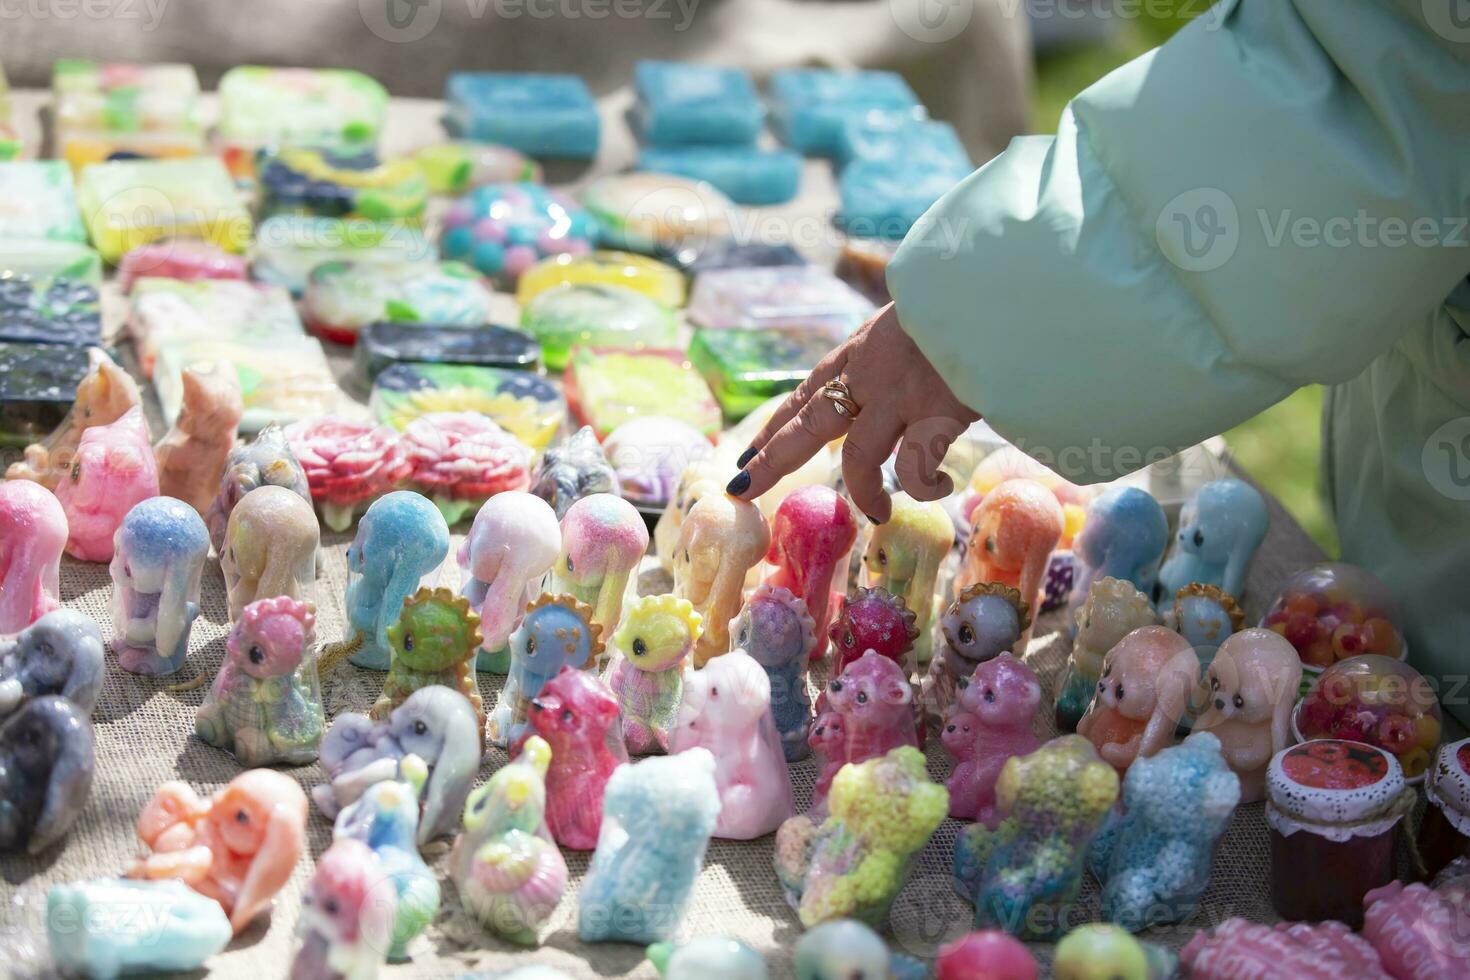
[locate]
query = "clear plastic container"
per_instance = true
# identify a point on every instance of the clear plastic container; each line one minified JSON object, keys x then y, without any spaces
{"x":1379,"y":701}
{"x":1335,"y":611}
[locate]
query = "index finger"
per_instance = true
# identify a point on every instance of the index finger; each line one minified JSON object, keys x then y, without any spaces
{"x":827,"y":369}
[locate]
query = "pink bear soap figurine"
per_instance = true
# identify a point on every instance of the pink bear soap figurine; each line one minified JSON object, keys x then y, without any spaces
{"x":811,"y":535}
{"x":33,"y":534}
{"x":991,"y":723}
{"x":1016,"y":528}
{"x":874,"y":704}
{"x":578,"y":717}
{"x":1146,"y":684}
{"x":112,"y":471}
{"x":727,"y":709}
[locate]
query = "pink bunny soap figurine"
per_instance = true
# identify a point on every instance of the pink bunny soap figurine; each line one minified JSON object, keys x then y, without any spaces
{"x":811,"y":535}
{"x":1015,"y":529}
{"x":721,"y":539}
{"x":33,"y":534}
{"x":113,"y":470}
{"x":727,"y":709}
{"x":991,"y":723}
{"x":511,"y":546}
{"x":603,"y":537}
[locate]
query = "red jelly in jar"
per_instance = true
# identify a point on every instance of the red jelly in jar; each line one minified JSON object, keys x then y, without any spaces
{"x":1445,"y":833}
{"x":1332,"y":807}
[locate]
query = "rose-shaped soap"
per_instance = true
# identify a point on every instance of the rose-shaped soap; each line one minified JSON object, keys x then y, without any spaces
{"x":1377,"y":700}
{"x":461,"y":459}
{"x":348,"y":462}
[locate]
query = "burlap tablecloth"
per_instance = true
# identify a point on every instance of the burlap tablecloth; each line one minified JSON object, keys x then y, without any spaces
{"x":144,"y":736}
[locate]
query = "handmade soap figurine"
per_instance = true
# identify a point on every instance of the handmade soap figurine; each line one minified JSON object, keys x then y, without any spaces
{"x":46,"y":767}
{"x":657,"y":818}
{"x":828,"y":744}
{"x":509,"y":874}
{"x":652,"y":648}
{"x":113,"y":469}
{"x":987,"y":954}
{"x":60,"y":653}
{"x":698,"y":479}
{"x":111,"y":926}
{"x":1025,"y":873}
{"x":1124,"y":538}
{"x":721,"y":539}
{"x":1238,"y":949}
{"x":811,"y":534}
{"x":875,"y":705}
{"x":727,"y":709}
{"x":511,"y":546}
{"x":158,"y":560}
{"x":346,"y":916}
{"x":1206,"y":616}
{"x":33,"y":534}
{"x":991,"y":724}
{"x":433,"y":642}
{"x":1154,"y":858}
{"x":1220,"y":528}
{"x":270,"y":547}
{"x":557,"y":632}
{"x":853,"y":864}
{"x":104,"y":396}
{"x":846,"y":949}
{"x":578,"y":717}
{"x":460,"y":460}
{"x":707,"y":958}
{"x":266,"y":460}
{"x":1146,"y":682}
{"x":775,"y":628}
{"x":1103,"y":951}
{"x":573,"y":470}
{"x":400,"y":539}
{"x":872,"y":620}
{"x":602,"y":540}
{"x":437,"y":725}
{"x":1247,"y":699}
{"x":192,"y":455}
{"x":386,"y":818}
{"x":265,"y":705}
{"x":238,"y":847}
{"x":1013,"y":533}
{"x":986,"y":620}
{"x":1113,"y":609}
{"x":903,"y":556}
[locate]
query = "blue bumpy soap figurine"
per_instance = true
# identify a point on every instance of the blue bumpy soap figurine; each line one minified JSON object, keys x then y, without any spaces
{"x":60,"y":653}
{"x":113,"y":926}
{"x":846,"y":949}
{"x":557,"y":632}
{"x":386,"y":819}
{"x":1220,"y":528}
{"x":1124,"y":538}
{"x":400,"y":539}
{"x":776,"y":629}
{"x":46,"y":765}
{"x":1153,"y":857}
{"x":158,"y":559}
{"x":658,"y":815}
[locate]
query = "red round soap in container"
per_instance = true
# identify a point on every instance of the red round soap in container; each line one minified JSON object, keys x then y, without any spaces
{"x":1445,"y":833}
{"x":1332,"y":807}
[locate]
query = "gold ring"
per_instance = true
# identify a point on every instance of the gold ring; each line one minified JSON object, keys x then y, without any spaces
{"x":841,"y":398}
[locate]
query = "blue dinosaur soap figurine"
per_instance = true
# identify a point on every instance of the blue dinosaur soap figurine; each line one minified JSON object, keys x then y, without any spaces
{"x":112,"y":926}
{"x":558,"y":632}
{"x":1153,"y":856}
{"x":400,"y":539}
{"x":1220,"y":528}
{"x":657,"y":818}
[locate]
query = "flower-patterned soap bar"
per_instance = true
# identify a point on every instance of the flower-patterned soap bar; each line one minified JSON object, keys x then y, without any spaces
{"x":40,"y":201}
{"x":656,"y":280}
{"x":504,"y":229}
{"x":316,"y":107}
{"x":525,"y":404}
{"x":127,"y":203}
{"x":350,"y":183}
{"x":607,"y":388}
{"x":461,"y":459}
{"x":349,"y":463}
{"x":114,"y":110}
{"x":543,"y":115}
{"x":809,"y":106}
{"x":683,"y":103}
{"x":790,"y":297}
{"x":49,"y":311}
{"x":289,"y":246}
{"x":385,"y":343}
{"x":745,"y":368}
{"x":344,"y":297}
{"x":169,"y":312}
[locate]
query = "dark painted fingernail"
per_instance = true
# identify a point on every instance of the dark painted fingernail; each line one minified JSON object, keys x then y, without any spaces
{"x":745,"y":457}
{"x":739,"y":485}
{"x":872,"y":518}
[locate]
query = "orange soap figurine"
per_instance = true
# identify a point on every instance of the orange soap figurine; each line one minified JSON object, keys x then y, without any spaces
{"x":1146,"y":683}
{"x":191,"y":457}
{"x":238,"y":847}
{"x":1015,"y":529}
{"x":721,"y":539}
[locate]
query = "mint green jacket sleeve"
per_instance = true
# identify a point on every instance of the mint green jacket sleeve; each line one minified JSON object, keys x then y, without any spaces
{"x":1263,"y":202}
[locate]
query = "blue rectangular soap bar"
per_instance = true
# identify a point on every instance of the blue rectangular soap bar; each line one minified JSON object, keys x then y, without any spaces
{"x":809,"y":106}
{"x":542,"y":115}
{"x":883,"y":198}
{"x":49,"y":310}
{"x":885,"y":138}
{"x":681,"y":103}
{"x":747,"y":174}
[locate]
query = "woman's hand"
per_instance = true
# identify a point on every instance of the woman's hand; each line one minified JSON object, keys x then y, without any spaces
{"x":899,"y":396}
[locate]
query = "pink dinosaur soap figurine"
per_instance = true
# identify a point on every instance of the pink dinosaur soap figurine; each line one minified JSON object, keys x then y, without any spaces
{"x":113,"y":470}
{"x":811,"y":535}
{"x":1015,"y":529}
{"x":578,"y":717}
{"x":875,"y":703}
{"x":727,"y":709}
{"x":991,"y":723}
{"x":191,"y":456}
{"x":33,"y":533}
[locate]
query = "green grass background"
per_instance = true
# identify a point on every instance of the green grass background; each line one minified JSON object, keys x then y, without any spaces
{"x":1280,"y":447}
